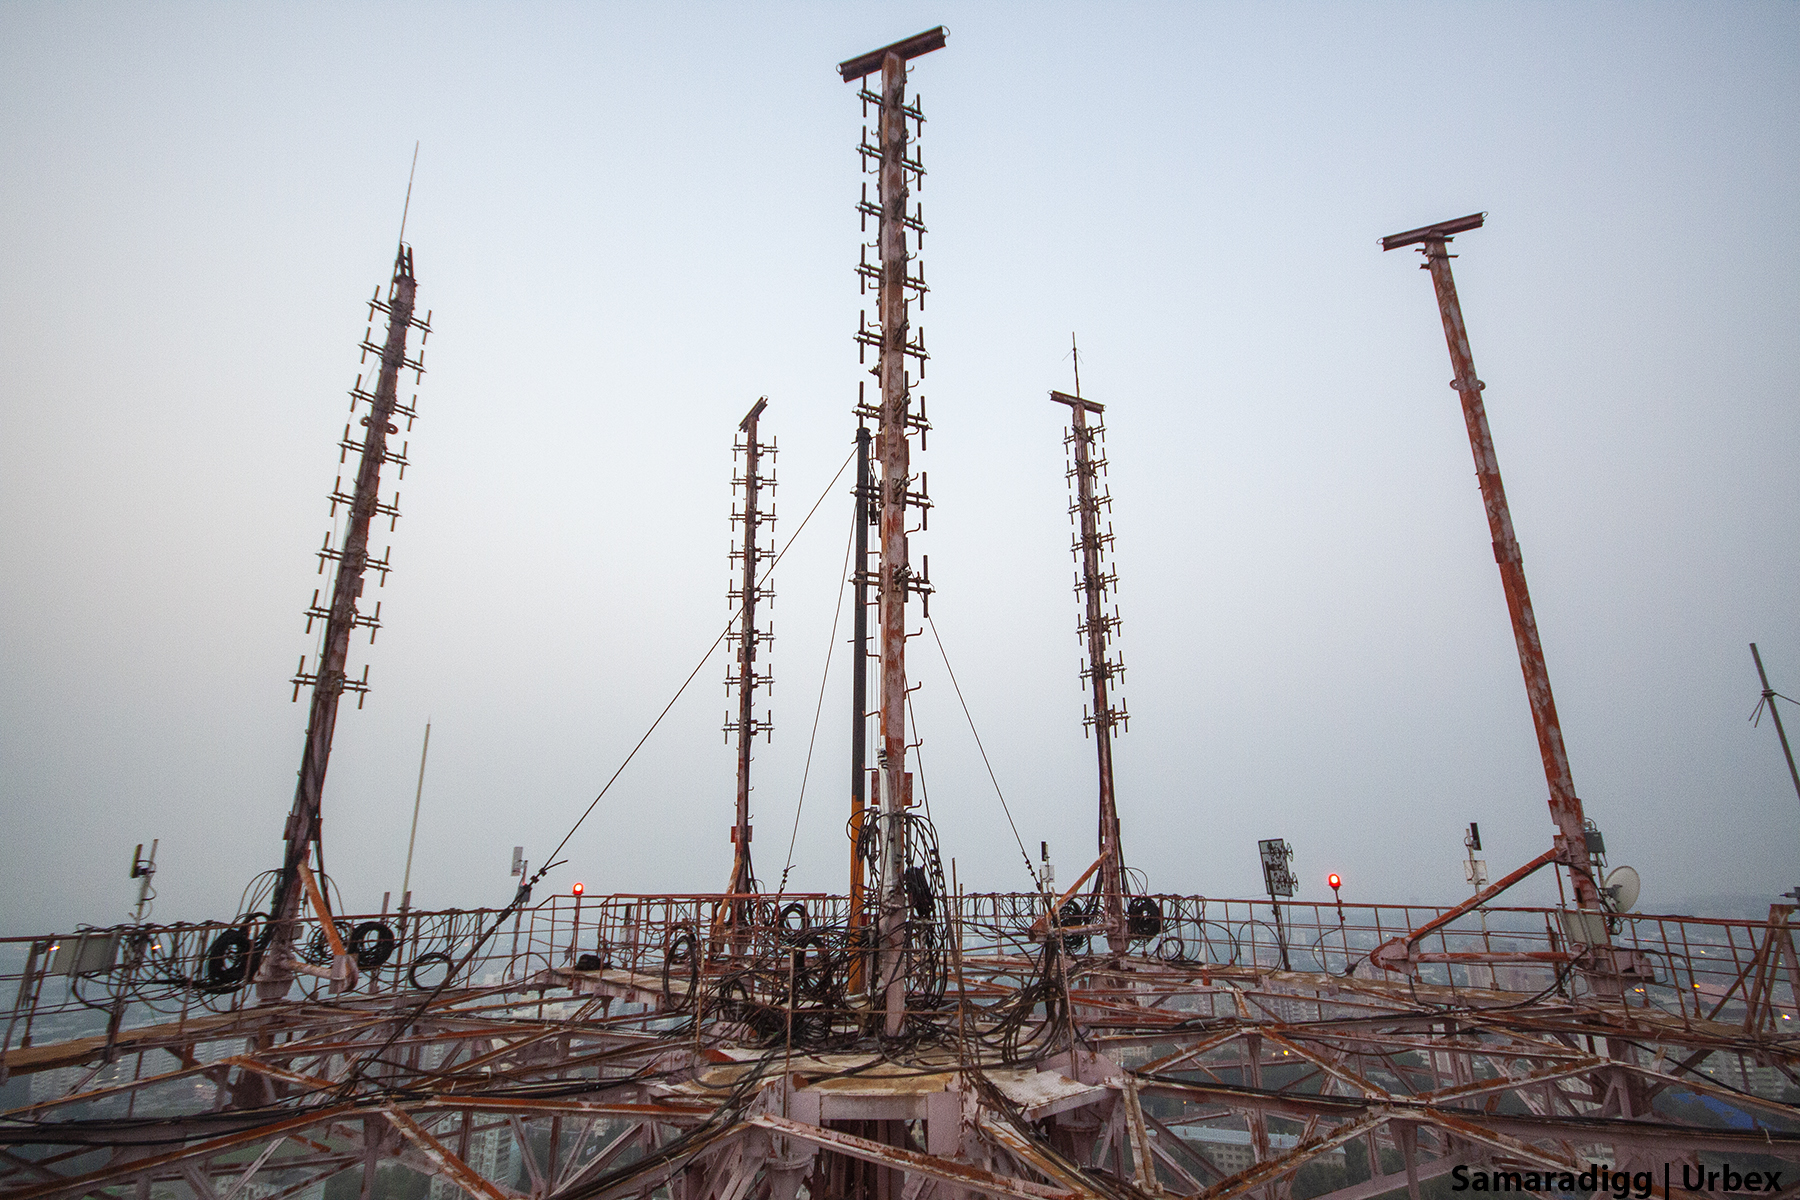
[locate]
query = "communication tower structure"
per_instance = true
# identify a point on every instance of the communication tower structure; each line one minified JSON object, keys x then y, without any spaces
{"x":601,"y":1047}
{"x":754,"y":478}
{"x":342,"y":615}
{"x":1103,"y":669}
{"x":906,"y":871}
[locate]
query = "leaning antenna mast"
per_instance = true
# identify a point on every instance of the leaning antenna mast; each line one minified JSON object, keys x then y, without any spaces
{"x":328,"y":678}
{"x":894,"y":341}
{"x":744,"y":676}
{"x":1095,"y":583}
{"x":1433,"y":242}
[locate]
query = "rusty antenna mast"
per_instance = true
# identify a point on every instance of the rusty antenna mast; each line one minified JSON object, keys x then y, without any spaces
{"x":341,"y":617}
{"x":751,"y":481}
{"x":1570,"y":844}
{"x":1102,"y":669}
{"x":896,"y":282}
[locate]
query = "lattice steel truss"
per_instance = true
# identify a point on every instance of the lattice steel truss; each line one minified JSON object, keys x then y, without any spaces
{"x":682,"y":1065}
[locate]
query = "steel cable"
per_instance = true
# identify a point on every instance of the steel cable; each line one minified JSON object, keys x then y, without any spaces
{"x":942,"y":653}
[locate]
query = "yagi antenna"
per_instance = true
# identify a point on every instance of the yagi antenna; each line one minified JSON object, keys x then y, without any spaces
{"x":407,"y":207}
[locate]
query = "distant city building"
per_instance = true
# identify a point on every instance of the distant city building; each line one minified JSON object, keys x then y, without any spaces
{"x":1231,"y":1150}
{"x":492,"y":1155}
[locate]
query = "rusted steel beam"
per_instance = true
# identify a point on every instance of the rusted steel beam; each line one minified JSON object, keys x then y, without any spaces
{"x":1203,"y":1046}
{"x":1582,"y":1128}
{"x":1165,"y":1147}
{"x":343,"y":967}
{"x":1442,"y":231}
{"x":907,"y":48}
{"x":911,"y":1161}
{"x":1037,"y":1156}
{"x":1512,"y":1147}
{"x":51,"y":1055}
{"x":1565,"y":806}
{"x":116,"y":1089}
{"x":1267,"y":1172}
{"x":1350,"y":1079}
{"x":251,"y":1063}
{"x":446,"y":1162}
{"x":134,"y":1166}
{"x":1042,"y":924}
{"x":1397,"y":954}
{"x":1143,"y":1161}
{"x":640,"y":1178}
{"x":665,"y":1110}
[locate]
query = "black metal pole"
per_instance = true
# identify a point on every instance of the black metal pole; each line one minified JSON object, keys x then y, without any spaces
{"x":859,"y":677}
{"x":859,"y":687}
{"x":1768,"y":698}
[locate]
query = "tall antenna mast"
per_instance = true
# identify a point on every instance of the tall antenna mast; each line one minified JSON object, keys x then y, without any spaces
{"x":1099,"y":624}
{"x":340,"y":615}
{"x":744,"y":675}
{"x":1433,"y":242}
{"x":895,"y":343}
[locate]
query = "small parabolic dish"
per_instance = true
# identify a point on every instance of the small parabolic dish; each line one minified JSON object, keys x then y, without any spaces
{"x":1622,"y":889}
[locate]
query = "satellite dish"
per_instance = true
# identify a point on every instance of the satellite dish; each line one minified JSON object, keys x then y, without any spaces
{"x":1622,"y":889}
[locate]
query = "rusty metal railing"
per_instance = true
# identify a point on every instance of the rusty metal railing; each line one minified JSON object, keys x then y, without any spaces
{"x":101,"y":982}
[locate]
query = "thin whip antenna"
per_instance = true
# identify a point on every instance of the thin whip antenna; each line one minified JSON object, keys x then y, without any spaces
{"x":1074,"y":351}
{"x":406,"y":882}
{"x":405,"y":208}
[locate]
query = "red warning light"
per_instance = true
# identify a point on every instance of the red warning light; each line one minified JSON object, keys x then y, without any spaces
{"x":1333,"y":880}
{"x":578,"y":888}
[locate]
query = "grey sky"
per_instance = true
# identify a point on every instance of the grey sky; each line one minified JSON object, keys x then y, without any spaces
{"x":631,"y":220}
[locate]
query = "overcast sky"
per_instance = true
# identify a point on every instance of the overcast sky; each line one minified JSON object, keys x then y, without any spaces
{"x":631,"y":221}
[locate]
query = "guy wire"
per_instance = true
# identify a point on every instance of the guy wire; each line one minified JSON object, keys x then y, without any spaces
{"x":824,"y":677}
{"x":551,"y":861}
{"x":984,"y":757}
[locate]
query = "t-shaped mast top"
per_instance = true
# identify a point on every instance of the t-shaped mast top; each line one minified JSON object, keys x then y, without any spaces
{"x":909,"y":48}
{"x":1443,"y":231}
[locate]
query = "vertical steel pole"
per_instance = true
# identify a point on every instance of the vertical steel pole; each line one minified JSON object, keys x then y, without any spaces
{"x":1565,"y":806}
{"x":859,"y":693}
